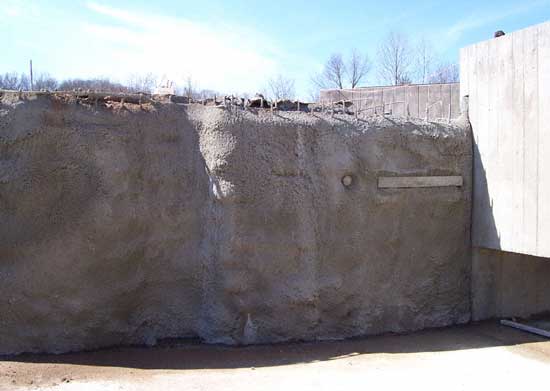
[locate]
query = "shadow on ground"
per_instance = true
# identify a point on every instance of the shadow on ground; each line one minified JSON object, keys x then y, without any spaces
{"x":182,"y":355}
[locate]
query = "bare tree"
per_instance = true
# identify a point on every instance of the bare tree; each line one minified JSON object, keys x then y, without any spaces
{"x":314,"y":94}
{"x":142,"y":83}
{"x":208,"y":94}
{"x":189,"y":89}
{"x":424,"y":61}
{"x":338,"y":73}
{"x":24,"y":82}
{"x":282,"y":88}
{"x":357,"y":68}
{"x":102,"y":85}
{"x":318,"y":82}
{"x":446,"y":73}
{"x":405,"y":81}
{"x":335,"y":70}
{"x":45,"y":82}
{"x":394,"y":59}
{"x":192,"y":91}
{"x":9,"y":81}
{"x":13,"y":81}
{"x":333,"y":74}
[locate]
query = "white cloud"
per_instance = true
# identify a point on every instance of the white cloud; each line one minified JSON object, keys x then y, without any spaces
{"x":18,"y":9}
{"x":116,"y":13}
{"x":222,"y":57}
{"x":480,"y":19}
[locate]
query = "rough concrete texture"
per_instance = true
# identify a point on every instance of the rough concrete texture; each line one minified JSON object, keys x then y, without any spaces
{"x":125,"y":225}
{"x":507,"y":284}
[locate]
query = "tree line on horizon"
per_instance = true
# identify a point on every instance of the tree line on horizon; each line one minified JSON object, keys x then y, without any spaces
{"x":134,"y":84}
{"x":398,"y":62}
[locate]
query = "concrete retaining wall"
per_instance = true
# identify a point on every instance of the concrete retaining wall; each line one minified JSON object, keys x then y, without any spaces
{"x":128,"y":224}
{"x":508,"y":84}
{"x":507,"y":284}
{"x":436,"y":101}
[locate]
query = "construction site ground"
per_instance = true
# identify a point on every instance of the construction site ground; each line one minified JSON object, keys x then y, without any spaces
{"x":478,"y":356}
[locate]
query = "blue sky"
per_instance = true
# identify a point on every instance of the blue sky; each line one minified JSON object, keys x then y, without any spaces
{"x":235,"y":46}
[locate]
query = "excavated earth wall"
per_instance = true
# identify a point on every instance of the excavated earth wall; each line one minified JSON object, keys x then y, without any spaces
{"x":125,"y":224}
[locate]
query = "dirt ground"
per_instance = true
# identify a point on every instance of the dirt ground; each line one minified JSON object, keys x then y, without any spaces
{"x":479,"y":356}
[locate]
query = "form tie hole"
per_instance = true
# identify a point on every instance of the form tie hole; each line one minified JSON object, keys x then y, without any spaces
{"x":347,"y":180}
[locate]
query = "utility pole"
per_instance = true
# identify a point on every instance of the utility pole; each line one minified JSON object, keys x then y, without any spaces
{"x":31,"y":76}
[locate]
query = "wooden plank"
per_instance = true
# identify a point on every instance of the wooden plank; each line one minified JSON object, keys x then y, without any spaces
{"x":419,"y":181}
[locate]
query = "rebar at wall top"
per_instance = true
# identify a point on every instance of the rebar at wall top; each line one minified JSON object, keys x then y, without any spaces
{"x":373,"y":94}
{"x":356,"y":110}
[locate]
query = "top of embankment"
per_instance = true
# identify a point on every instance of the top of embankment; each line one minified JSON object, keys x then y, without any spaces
{"x":229,"y":109}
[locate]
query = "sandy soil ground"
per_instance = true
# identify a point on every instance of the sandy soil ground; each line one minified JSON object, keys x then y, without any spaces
{"x":480,"y":356}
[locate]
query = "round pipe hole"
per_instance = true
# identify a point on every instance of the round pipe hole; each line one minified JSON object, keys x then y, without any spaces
{"x":347,"y":180}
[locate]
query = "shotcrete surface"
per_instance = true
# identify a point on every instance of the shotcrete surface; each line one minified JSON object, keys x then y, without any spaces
{"x":126,"y":224}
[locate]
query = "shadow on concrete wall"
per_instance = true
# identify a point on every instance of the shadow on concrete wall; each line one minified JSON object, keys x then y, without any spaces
{"x":484,"y":231}
{"x":188,"y":355}
{"x":504,"y":284}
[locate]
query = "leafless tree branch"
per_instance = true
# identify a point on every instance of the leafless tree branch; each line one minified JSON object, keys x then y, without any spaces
{"x":142,"y":83}
{"x":357,"y":68}
{"x":282,"y":88}
{"x":45,"y":82}
{"x":333,"y":74}
{"x":13,"y":81}
{"x":446,"y":73}
{"x":424,"y":61}
{"x":395,"y":59}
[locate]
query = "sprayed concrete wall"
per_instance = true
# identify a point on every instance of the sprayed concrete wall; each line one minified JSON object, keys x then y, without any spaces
{"x":508,"y":84}
{"x":125,"y":225}
{"x":432,"y":101}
